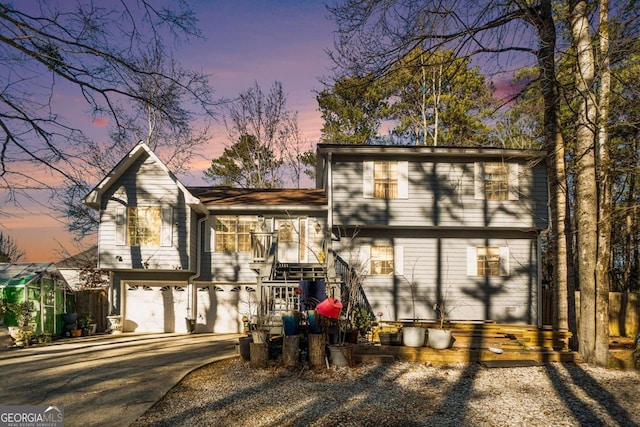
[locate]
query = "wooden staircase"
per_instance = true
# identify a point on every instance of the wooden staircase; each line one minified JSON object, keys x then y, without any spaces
{"x":297,"y":271}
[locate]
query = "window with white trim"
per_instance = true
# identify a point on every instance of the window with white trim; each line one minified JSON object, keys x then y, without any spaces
{"x":385,"y":180}
{"x":233,"y":233}
{"x":144,"y":226}
{"x":488,"y":261}
{"x":382,"y":260}
{"x":496,"y":181}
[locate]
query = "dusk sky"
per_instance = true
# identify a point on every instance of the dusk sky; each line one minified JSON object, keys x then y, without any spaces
{"x":247,"y":41}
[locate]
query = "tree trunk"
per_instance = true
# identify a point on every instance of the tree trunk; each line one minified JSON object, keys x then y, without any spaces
{"x":585,"y":183}
{"x":290,"y":350}
{"x":259,"y":355}
{"x":603,"y":265}
{"x":317,"y":350}
{"x":542,"y":19}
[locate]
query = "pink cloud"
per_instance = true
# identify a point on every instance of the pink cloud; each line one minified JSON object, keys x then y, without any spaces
{"x":100,"y":122}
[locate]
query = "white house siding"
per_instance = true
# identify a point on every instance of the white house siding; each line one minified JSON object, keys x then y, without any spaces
{"x":146,"y":184}
{"x":433,"y":263}
{"x":440,"y":193}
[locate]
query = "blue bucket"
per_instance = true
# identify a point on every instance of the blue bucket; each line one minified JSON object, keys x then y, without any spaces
{"x":290,"y":324}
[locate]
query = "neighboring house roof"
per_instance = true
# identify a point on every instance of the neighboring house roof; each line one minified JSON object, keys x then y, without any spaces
{"x":21,"y":274}
{"x":93,"y":198}
{"x":83,"y":259}
{"x":260,"y":198}
{"x":71,"y":269}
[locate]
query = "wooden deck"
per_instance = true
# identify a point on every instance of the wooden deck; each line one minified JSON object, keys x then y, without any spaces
{"x":490,"y":343}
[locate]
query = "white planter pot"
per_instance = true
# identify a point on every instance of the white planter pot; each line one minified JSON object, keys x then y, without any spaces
{"x":115,"y":324}
{"x":439,"y":338}
{"x":413,"y":336}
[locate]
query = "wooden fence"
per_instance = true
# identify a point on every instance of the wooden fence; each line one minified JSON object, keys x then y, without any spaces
{"x":624,"y":312}
{"x":96,"y":303}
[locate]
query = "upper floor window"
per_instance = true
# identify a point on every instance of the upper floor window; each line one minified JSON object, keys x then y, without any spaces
{"x":496,"y":181}
{"x":144,"y":224}
{"x":381,"y":259}
{"x":233,"y":233}
{"x":385,"y":179}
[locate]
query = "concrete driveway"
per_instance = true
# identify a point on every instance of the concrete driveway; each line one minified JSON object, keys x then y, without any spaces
{"x":106,"y":380}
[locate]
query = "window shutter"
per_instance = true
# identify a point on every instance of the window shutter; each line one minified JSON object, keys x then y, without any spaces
{"x":514,"y":184}
{"x":121,"y":229}
{"x":478,"y":181}
{"x":209,"y":234}
{"x":504,"y":261}
{"x":166,"y":232}
{"x":367,"y":179}
{"x":472,"y":261}
{"x":398,"y":260}
{"x":403,"y":180}
{"x":365,"y":258}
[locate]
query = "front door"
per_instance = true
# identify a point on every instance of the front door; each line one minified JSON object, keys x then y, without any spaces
{"x":291,"y":240}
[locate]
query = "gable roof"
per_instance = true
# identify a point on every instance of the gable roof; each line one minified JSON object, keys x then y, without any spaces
{"x":93,"y":198}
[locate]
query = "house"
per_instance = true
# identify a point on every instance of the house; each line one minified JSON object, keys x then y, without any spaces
{"x":454,"y":223}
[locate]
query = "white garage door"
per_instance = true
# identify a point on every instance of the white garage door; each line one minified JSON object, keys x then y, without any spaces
{"x":221,"y":307}
{"x":155,"y":308}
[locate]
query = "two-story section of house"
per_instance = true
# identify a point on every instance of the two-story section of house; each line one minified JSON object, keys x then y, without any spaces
{"x":434,"y":225}
{"x":195,"y":257}
{"x":422,"y":225}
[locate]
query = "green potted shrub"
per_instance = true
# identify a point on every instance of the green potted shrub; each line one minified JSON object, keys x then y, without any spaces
{"x":84,"y":321}
{"x":24,"y":312}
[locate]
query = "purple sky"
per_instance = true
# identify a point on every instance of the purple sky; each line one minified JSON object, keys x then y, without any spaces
{"x":246,"y":41}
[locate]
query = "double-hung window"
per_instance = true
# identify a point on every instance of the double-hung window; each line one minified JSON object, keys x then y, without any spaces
{"x":144,"y":226}
{"x":233,"y":233}
{"x":488,"y":261}
{"x":381,"y":259}
{"x":496,"y":181}
{"x":385,"y":179}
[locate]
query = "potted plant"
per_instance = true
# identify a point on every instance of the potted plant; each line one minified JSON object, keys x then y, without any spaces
{"x":84,"y":321}
{"x":440,"y":338}
{"x":23,"y":313}
{"x":414,"y":335}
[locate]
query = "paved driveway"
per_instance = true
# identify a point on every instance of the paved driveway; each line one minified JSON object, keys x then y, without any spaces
{"x":106,"y":380}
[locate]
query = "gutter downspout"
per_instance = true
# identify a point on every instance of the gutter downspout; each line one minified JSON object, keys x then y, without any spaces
{"x":191,"y":314}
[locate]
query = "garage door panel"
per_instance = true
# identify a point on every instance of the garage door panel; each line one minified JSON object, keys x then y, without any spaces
{"x":221,"y":307}
{"x":154,"y":308}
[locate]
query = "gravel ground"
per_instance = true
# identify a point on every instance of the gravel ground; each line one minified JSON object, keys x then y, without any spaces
{"x":231,"y":393}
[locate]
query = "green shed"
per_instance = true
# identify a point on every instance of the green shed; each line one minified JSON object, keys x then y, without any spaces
{"x":41,"y":283}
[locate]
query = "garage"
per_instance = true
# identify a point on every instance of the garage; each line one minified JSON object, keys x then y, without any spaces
{"x":221,"y":307}
{"x":155,"y":308}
